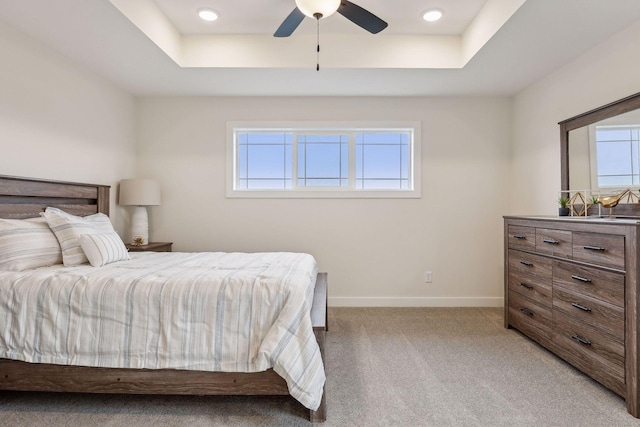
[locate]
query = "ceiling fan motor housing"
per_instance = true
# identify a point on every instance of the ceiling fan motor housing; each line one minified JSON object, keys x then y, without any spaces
{"x":313,"y":7}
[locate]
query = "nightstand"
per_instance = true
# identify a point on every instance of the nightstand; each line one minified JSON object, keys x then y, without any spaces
{"x":151,"y":246}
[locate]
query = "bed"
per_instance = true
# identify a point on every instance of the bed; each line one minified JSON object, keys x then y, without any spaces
{"x":23,"y":198}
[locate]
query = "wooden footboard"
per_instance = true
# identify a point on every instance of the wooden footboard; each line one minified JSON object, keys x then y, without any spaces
{"x":22,"y":376}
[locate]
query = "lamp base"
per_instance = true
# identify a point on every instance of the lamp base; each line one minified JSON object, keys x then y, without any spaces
{"x":140,"y":226}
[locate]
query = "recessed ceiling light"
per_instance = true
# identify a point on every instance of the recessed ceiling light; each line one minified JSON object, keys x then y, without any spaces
{"x":432,"y":15}
{"x":207,"y":14}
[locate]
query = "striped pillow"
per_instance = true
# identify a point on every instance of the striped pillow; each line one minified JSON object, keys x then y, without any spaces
{"x":103,"y":248}
{"x":26,"y":244}
{"x":68,"y":229}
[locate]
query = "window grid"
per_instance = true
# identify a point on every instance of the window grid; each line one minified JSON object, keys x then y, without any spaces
{"x":402,"y":178}
{"x":307,"y":140}
{"x":247,"y":175}
{"x":618,"y":156}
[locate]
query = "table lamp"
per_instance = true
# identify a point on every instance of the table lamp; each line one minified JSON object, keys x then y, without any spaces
{"x":139,"y":192}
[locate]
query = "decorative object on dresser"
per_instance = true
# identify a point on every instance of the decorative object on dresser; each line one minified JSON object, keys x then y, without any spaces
{"x":563,"y":210}
{"x":151,"y":246}
{"x":571,"y":285}
{"x":579,"y":202}
{"x":140,"y":193}
{"x":613,"y":201}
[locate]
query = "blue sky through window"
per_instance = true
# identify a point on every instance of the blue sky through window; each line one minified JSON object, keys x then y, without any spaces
{"x":323,"y":160}
{"x":264,"y":161}
{"x":618,"y":159}
{"x":380,"y":160}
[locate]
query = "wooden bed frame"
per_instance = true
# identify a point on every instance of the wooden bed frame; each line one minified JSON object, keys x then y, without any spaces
{"x":26,"y":198}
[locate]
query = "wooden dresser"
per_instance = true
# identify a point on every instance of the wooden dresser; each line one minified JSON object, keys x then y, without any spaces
{"x":571,"y":284}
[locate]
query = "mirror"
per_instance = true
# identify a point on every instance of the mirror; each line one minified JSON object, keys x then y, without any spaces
{"x":578,"y":147}
{"x":600,"y":154}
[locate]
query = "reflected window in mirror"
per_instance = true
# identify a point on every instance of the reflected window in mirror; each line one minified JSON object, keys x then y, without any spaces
{"x":617,"y":156}
{"x":604,"y":156}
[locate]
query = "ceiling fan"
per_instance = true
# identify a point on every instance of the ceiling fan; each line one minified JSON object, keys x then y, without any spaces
{"x":319,"y":9}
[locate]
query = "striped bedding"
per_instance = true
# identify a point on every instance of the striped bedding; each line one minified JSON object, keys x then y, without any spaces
{"x":228,"y":312}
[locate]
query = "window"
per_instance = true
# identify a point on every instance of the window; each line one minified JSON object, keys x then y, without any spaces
{"x":323,"y":160}
{"x":618,"y":160}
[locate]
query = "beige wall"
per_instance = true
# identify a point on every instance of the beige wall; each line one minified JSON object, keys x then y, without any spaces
{"x":481,"y":158}
{"x":374,"y":250}
{"x":62,"y":122}
{"x":604,"y":74}
{"x":58,"y":121}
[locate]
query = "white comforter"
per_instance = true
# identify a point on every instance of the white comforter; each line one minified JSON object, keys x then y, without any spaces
{"x":201,"y":311}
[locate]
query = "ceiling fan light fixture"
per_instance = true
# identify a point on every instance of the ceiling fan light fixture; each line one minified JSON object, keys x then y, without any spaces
{"x":207,"y":15}
{"x":432,"y":15}
{"x":322,"y":7}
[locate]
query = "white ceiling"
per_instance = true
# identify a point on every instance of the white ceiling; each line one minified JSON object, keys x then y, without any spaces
{"x":539,"y":37}
{"x":264,"y":16}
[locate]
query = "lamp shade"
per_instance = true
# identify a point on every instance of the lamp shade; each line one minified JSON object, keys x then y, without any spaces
{"x":139,"y":192}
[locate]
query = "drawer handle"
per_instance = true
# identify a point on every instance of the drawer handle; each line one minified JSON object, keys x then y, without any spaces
{"x":581,"y":307}
{"x":527,"y":311}
{"x":527,"y":263}
{"x":594,"y":248}
{"x":526,"y":286}
{"x":551,"y":241}
{"x":519,"y":236}
{"x":580,"y":340}
{"x":582,"y":279}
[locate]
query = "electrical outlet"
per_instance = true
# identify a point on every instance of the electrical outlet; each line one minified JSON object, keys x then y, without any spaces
{"x":428,"y":277}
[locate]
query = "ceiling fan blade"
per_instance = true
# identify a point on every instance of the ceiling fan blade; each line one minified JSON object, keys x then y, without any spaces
{"x":290,"y":24}
{"x":361,"y":17}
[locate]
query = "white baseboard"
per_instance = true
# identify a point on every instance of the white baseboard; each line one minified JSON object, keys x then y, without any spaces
{"x":415,"y":302}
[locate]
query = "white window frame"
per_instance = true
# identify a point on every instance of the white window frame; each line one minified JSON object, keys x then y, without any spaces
{"x":414,"y":190}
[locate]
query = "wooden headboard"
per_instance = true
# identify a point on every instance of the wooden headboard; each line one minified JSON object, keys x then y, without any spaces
{"x":27,"y":197}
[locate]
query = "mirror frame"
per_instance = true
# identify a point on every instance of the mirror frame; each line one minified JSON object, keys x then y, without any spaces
{"x":615,"y":108}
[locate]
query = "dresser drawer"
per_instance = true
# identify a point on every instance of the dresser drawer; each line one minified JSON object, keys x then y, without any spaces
{"x":522,"y":237}
{"x":535,"y":288}
{"x":527,"y":263}
{"x":601,"y":249}
{"x":530,"y":318}
{"x":603,"y":285}
{"x":554,"y":242}
{"x":599,"y":314}
{"x":597,"y":354}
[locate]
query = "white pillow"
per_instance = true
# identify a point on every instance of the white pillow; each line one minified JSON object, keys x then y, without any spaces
{"x":68,"y":229}
{"x":26,"y":244}
{"x":103,"y":248}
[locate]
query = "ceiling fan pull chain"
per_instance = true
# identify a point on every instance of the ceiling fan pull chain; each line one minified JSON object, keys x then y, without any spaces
{"x":317,"y":16}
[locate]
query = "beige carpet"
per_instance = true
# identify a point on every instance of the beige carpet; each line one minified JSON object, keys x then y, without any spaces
{"x":385,"y":367}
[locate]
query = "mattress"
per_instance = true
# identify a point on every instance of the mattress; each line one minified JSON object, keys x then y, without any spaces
{"x":231,"y":312}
